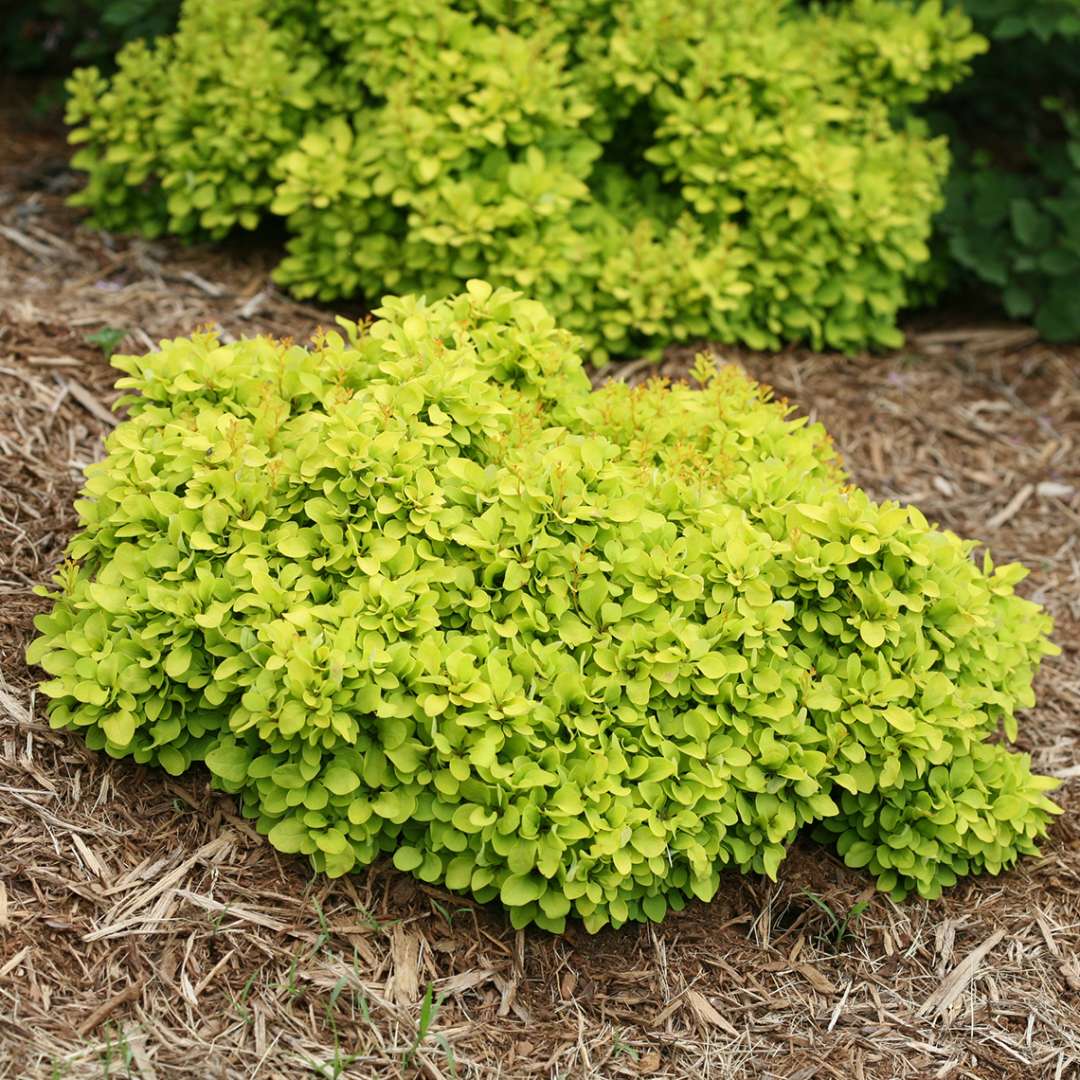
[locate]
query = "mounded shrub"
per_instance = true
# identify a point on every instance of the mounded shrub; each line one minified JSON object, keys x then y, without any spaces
{"x":418,"y":589}
{"x":652,"y":170}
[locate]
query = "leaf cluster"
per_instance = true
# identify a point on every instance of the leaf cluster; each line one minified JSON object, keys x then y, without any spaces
{"x":652,"y":171}
{"x":1012,"y":218}
{"x":419,"y":590}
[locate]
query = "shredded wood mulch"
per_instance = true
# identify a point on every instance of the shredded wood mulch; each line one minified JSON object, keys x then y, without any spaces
{"x":147,"y":931}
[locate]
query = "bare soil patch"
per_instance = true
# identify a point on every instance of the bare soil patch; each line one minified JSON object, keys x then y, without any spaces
{"x":146,"y":930}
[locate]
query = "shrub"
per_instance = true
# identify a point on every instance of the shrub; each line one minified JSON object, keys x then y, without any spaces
{"x":191,"y":153}
{"x":654,"y":171}
{"x":418,"y":590}
{"x":1012,"y":220}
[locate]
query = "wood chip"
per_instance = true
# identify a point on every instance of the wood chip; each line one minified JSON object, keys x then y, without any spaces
{"x":122,"y":919}
{"x":839,"y":1007}
{"x":467,"y":980}
{"x":649,"y":1063}
{"x":15,"y":961}
{"x":244,"y":914}
{"x":253,"y":304}
{"x":136,"y":1041}
{"x":708,"y":1015}
{"x":668,"y":1011}
{"x":93,"y":863}
{"x":957,"y":981}
{"x":53,"y":361}
{"x":28,"y":244}
{"x":1012,"y":508}
{"x":201,"y":283}
{"x":405,"y":980}
{"x":14,"y":708}
{"x":815,"y":978}
{"x":209,"y":977}
{"x":1051,"y":489}
{"x":1048,"y":934}
{"x":91,"y":403}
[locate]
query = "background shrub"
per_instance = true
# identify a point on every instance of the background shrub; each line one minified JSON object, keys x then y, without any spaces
{"x":1012,"y":221}
{"x":48,"y":35}
{"x":419,"y":590}
{"x":653,"y":171}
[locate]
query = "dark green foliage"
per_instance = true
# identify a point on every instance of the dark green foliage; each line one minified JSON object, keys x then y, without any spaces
{"x":53,"y":35}
{"x":653,"y":170}
{"x":1012,"y":220}
{"x":1004,"y":20}
{"x":419,"y":590}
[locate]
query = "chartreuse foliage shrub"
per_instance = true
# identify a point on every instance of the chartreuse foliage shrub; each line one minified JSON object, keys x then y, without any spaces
{"x":417,"y":589}
{"x":653,"y":170}
{"x":1012,"y":219}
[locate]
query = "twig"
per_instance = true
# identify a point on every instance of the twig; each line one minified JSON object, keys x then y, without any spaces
{"x":32,"y":247}
{"x":91,"y":403}
{"x":202,"y":284}
{"x":1012,"y":509}
{"x":102,"y":1012}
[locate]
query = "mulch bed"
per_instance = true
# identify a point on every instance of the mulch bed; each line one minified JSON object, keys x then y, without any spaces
{"x":146,"y":930}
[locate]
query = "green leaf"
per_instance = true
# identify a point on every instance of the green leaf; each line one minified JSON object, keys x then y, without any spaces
{"x":296,"y":546}
{"x":229,"y":761}
{"x":111,"y":597}
{"x":427,"y":169}
{"x":288,"y":835}
{"x":859,"y":854}
{"x":331,"y":841}
{"x":119,"y":728}
{"x":178,"y":662}
{"x":714,"y":666}
{"x":1032,"y":228}
{"x":648,"y":843}
{"x":1009,"y":807}
{"x":520,"y":889}
{"x":172,"y":760}
{"x":340,"y":780}
{"x":1058,"y":319}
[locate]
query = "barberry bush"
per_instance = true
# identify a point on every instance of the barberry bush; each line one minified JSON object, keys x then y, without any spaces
{"x":652,"y":170}
{"x":418,"y":589}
